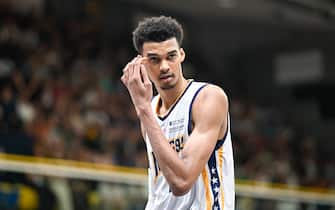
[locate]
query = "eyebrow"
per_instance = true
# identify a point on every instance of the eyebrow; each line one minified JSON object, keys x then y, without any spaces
{"x":156,"y":55}
{"x":172,"y":52}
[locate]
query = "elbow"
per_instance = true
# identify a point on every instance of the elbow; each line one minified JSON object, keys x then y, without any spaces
{"x":180,"y":188}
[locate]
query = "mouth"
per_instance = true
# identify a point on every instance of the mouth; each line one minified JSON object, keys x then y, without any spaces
{"x":165,"y":77}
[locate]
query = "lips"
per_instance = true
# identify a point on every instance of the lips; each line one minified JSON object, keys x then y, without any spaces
{"x":163,"y":77}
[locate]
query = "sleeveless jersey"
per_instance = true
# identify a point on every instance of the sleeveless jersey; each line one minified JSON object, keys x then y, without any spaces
{"x":214,"y":189}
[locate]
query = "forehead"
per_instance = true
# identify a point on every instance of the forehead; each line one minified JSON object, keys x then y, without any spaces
{"x":160,"y":48}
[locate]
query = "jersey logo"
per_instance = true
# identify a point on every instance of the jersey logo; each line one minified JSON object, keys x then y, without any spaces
{"x":176,"y":126}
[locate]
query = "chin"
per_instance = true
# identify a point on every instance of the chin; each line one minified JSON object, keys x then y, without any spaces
{"x":167,"y":86}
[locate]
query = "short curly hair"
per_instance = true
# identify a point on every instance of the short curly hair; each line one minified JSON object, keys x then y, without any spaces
{"x":157,"y":29}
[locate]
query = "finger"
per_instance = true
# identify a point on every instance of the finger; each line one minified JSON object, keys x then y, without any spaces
{"x":144,"y":75}
{"x":132,"y":76}
{"x":135,"y":76}
{"x":135,"y":61}
{"x":143,"y":60}
{"x":124,"y":70}
{"x":131,"y":71}
{"x":130,"y":62}
{"x":123,"y":79}
{"x":138,"y":63}
{"x":134,"y":69}
{"x":137,"y":73}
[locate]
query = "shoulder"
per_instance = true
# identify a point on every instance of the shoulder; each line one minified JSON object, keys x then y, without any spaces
{"x":211,"y":102}
{"x":210,"y":108}
{"x":211,"y":93}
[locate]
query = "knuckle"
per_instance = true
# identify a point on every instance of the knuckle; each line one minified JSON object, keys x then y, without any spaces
{"x":133,"y":81}
{"x":147,"y":84}
{"x":126,"y":67}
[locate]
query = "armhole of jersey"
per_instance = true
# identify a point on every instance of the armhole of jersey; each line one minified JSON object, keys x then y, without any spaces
{"x":221,"y":141}
{"x":190,"y":126}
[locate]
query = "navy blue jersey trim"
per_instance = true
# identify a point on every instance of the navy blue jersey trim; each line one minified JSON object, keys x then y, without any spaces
{"x":174,"y":105}
{"x":221,"y":141}
{"x":215,"y":181}
{"x":190,"y":110}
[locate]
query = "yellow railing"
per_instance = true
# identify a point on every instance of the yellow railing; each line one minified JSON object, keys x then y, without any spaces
{"x":282,"y":192}
{"x":136,"y":176}
{"x":72,"y":169}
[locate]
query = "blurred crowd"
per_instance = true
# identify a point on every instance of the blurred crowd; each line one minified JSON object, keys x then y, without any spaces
{"x":61,"y":97}
{"x":59,"y":86}
{"x":268,"y":148}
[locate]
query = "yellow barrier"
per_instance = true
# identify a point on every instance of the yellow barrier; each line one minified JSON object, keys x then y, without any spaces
{"x":282,"y":192}
{"x":136,"y":176}
{"x":72,"y":169}
{"x":72,"y":163}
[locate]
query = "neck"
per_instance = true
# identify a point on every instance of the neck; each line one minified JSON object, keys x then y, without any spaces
{"x":170,"y":96}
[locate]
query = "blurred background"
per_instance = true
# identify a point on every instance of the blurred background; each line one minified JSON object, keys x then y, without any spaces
{"x":63,"y":110}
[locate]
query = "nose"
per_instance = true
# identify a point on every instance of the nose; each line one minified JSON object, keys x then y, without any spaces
{"x":164,"y":67}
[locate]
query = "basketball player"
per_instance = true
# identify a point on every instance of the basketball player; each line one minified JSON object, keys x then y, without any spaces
{"x":185,"y":127}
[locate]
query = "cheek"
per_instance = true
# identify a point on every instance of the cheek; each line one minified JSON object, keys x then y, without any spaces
{"x":175,"y":66}
{"x":149,"y":72}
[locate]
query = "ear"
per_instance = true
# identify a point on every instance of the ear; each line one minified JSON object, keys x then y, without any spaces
{"x":182,"y":55}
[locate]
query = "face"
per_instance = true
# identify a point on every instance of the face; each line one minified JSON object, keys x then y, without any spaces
{"x":163,"y":63}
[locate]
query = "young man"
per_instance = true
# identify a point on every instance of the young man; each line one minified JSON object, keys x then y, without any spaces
{"x":185,"y":127}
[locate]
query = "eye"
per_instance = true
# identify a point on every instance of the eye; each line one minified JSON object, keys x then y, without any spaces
{"x":154,"y":60}
{"x":172,"y":56}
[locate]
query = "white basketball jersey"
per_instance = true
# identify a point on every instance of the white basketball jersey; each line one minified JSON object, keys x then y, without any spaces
{"x":214,"y":189}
